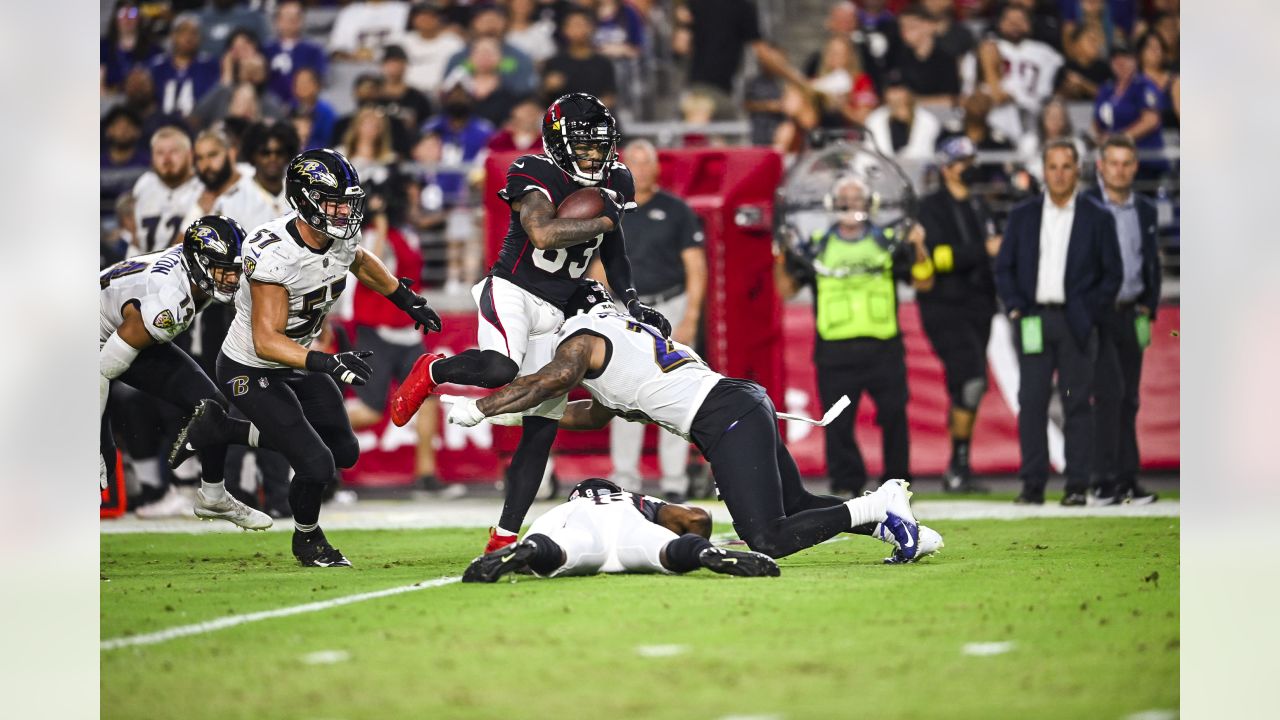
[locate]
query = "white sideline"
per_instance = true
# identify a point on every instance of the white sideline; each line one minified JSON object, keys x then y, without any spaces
{"x":226,"y":622}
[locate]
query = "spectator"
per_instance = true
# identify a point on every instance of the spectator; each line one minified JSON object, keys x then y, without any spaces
{"x":975,"y":124}
{"x":859,"y":344}
{"x":619,"y":30}
{"x":1169,"y":27}
{"x":491,"y":21}
{"x":669,"y":266}
{"x":1100,"y":15}
{"x":763,"y":104}
{"x":221,"y":18}
{"x":163,"y":194}
{"x":1046,"y":22}
{"x":367,"y":144}
{"x":523,"y":129}
{"x":842,"y":21}
{"x":291,"y":52}
{"x":428,"y":214}
{"x":140,"y":98}
{"x":1154,"y":66}
{"x":128,"y":43}
{"x":578,"y":67}
{"x":1124,"y":328}
{"x":403,"y":104}
{"x":1054,"y":123}
{"x":847,"y":91}
{"x":429,"y":42}
{"x":1058,"y":267}
{"x":182,"y":77}
{"x":362,"y":29}
{"x":124,"y":157}
{"x":1084,"y":70}
{"x":957,"y":308}
{"x":803,"y":115}
{"x":953,"y":37}
{"x":483,"y":77}
{"x":1130,"y":106}
{"x":697,"y":109}
{"x":878,"y":29}
{"x":269,"y":147}
{"x":931,"y":73}
{"x":320,"y":117}
{"x":1015,"y":70}
{"x":713,"y":33}
{"x":531,"y":32}
{"x":242,"y":91}
{"x":367,"y":92}
{"x":900,"y":127}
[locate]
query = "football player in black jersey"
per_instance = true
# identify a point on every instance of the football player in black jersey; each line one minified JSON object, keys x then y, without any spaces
{"x":522,"y":299}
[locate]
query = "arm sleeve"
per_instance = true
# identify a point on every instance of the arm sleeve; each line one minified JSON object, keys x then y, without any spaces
{"x":114,"y":358}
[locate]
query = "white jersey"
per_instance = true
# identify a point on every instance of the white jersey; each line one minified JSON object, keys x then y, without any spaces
{"x":314,"y":279}
{"x":605,"y":534}
{"x":160,"y":210}
{"x":1028,"y":69}
{"x":246,"y":203}
{"x":158,"y":284}
{"x":646,"y":377}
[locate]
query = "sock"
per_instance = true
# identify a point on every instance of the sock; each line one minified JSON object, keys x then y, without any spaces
{"x":213,"y":492}
{"x":503,"y":532}
{"x":959,"y":453}
{"x":682,"y":553}
{"x":867,"y":509}
{"x":298,"y":527}
{"x":524,"y":475}
{"x":549,"y":557}
{"x":305,"y":499}
{"x":253,"y":435}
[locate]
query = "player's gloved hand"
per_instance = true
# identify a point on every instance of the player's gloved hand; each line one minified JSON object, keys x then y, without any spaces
{"x":465,"y":412}
{"x":345,"y":367}
{"x":646,"y":314}
{"x":102,"y":473}
{"x":415,"y":306}
{"x":614,"y":204}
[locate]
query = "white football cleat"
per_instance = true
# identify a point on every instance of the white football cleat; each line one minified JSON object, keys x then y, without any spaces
{"x":176,"y":502}
{"x":899,"y":521}
{"x":231,"y":510}
{"x":929,"y":539}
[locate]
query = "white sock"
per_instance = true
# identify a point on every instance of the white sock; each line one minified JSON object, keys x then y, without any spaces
{"x":867,"y":509}
{"x":213,"y":492}
{"x":503,"y":533}
{"x":305,"y":528}
{"x":253,"y":435}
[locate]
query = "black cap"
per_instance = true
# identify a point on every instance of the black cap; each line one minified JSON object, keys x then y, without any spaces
{"x":894,"y":78}
{"x":1121,"y":47}
{"x":394,"y":52}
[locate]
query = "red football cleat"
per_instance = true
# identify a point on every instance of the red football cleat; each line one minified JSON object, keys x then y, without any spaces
{"x":497,"y":542}
{"x":414,"y":390}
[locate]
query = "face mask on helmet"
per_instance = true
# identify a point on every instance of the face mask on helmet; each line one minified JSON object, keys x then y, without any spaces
{"x":325,"y":190}
{"x":211,"y":256}
{"x":339,"y":218}
{"x":581,"y":137}
{"x":590,"y":156}
{"x":224,"y":278}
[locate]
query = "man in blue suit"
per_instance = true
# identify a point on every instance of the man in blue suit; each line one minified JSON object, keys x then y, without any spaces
{"x":1124,"y":330}
{"x":1057,"y":270}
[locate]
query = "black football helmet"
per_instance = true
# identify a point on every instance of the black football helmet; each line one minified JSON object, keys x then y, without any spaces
{"x":574,"y":126}
{"x":319,"y":184}
{"x":590,"y":293}
{"x":593,"y":487}
{"x":211,"y":255}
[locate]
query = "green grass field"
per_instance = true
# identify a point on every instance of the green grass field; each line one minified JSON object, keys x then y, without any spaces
{"x":1090,"y":605}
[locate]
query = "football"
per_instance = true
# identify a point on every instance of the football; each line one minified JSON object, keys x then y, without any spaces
{"x":583,"y":204}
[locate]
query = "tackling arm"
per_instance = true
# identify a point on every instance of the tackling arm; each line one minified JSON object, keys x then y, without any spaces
{"x":562,"y":374}
{"x":547,"y":232}
{"x":373,"y":274}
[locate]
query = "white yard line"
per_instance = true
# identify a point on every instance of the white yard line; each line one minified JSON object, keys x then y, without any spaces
{"x":234,"y":620}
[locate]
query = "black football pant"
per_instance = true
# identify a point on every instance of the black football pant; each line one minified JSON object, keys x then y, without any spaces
{"x":878,"y":368}
{"x":1117,"y":376}
{"x":1074,"y":364}
{"x":168,"y":374}
{"x":737,"y":431}
{"x":302,"y":415}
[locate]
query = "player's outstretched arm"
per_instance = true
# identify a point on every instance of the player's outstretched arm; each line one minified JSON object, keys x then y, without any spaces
{"x":562,"y":374}
{"x":586,"y":415}
{"x":373,"y":274}
{"x":547,"y":232}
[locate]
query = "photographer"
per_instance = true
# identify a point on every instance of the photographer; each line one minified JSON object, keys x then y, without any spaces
{"x":853,"y":267}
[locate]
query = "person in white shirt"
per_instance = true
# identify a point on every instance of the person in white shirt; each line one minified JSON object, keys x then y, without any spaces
{"x":1016,"y":71}
{"x":164,"y":194}
{"x":901,"y":128}
{"x":429,"y":42}
{"x":362,"y":29}
{"x":1057,"y":269}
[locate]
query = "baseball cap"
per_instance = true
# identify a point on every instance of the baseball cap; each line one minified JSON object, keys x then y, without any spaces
{"x":955,"y":149}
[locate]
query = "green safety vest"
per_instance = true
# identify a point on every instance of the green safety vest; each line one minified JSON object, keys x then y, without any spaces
{"x":860,"y":299}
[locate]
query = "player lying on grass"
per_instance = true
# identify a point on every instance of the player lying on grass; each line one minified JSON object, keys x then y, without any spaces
{"x":603,"y":529}
{"x":633,"y":371}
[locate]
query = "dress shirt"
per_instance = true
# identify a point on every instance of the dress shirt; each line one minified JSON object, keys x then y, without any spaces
{"x":1055,"y":236}
{"x":1130,"y":235}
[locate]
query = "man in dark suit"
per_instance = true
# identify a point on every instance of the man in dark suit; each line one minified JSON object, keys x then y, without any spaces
{"x":1124,"y":329}
{"x":1057,"y":269}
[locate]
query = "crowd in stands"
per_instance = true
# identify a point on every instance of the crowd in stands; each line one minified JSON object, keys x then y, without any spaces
{"x":417,"y":93}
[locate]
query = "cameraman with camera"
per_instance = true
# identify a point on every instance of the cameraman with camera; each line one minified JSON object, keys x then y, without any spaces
{"x":853,"y":267}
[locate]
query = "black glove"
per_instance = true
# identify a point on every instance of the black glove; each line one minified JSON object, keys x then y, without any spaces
{"x":614,"y":204}
{"x":415,"y":306}
{"x":345,"y":367}
{"x":646,"y":314}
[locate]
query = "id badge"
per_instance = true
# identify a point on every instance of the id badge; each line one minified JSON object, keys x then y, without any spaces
{"x":1032,"y":338}
{"x":1142,"y":328}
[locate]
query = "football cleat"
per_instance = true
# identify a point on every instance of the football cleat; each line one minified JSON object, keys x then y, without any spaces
{"x":231,"y":510}
{"x":930,"y":543}
{"x":497,"y":542}
{"x":491,"y":566}
{"x":414,"y":390}
{"x":899,"y":520}
{"x":312,"y":549}
{"x":202,"y":430}
{"x":738,"y":562}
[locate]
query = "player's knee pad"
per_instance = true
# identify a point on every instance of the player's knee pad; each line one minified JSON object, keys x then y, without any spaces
{"x":971,"y":392}
{"x":346,"y":452}
{"x":497,"y":369}
{"x":316,"y":466}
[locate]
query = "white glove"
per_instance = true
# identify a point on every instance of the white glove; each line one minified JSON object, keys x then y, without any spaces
{"x":464,"y":412}
{"x":102,"y":473}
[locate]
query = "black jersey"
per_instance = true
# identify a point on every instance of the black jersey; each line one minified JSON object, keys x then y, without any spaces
{"x":549,"y":274}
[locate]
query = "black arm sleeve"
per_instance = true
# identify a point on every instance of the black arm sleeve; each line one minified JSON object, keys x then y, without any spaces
{"x":617,"y":267}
